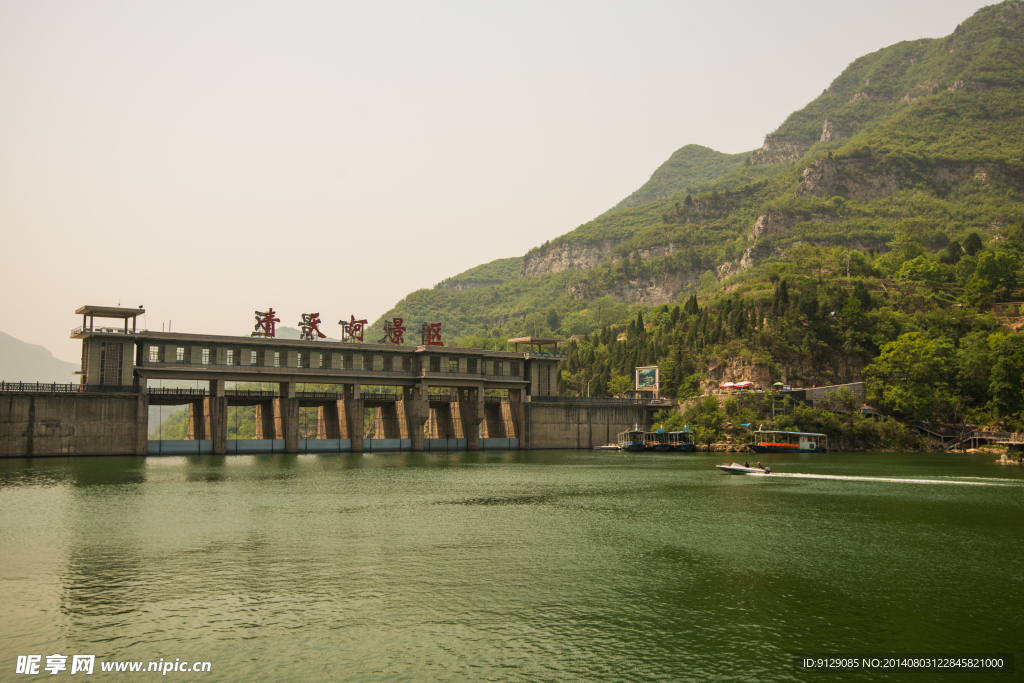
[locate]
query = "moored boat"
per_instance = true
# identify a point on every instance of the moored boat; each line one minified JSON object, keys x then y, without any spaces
{"x":657,"y":440}
{"x":632,"y":439}
{"x":682,"y":441}
{"x":788,"y":442}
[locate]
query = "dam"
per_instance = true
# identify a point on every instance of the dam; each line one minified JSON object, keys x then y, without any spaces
{"x":414,"y":397}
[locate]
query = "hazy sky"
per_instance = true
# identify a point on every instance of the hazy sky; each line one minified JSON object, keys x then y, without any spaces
{"x":206,"y":159}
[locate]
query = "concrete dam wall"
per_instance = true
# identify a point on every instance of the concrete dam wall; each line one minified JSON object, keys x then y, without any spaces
{"x":72,"y":424}
{"x":48,"y":424}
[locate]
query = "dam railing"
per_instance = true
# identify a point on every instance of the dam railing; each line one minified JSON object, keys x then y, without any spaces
{"x":55,"y":388}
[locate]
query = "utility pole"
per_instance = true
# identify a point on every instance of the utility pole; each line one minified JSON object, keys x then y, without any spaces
{"x":588,"y":387}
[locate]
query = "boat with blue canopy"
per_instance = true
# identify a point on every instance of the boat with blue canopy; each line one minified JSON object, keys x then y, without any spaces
{"x":682,"y":441}
{"x":632,"y":439}
{"x":657,"y":440}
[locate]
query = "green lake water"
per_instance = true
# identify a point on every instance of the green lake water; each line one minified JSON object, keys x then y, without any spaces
{"x":528,"y":566}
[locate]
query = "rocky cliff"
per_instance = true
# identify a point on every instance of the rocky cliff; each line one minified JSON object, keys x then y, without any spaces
{"x":863,"y":178}
{"x":566,"y":256}
{"x":797,"y":372}
{"x":651,"y":291}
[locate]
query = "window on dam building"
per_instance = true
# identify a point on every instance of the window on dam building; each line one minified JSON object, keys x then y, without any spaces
{"x":252,"y":358}
{"x":471,"y":366}
{"x":435,"y":364}
{"x":453,"y":365}
{"x":110,"y":362}
{"x":206,"y":356}
{"x":179,"y":354}
{"x":277,"y":359}
{"x":229,"y":357}
{"x":499,"y":367}
{"x":154,"y":354}
{"x":513,"y":368}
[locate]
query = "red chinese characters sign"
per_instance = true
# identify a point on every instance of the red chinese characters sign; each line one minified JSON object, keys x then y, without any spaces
{"x":352,"y":329}
{"x":430,"y":334}
{"x":265,"y":321}
{"x":310,"y":325}
{"x":393,"y":332}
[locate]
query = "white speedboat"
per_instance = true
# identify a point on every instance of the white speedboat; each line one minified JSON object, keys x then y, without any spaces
{"x":740,"y":469}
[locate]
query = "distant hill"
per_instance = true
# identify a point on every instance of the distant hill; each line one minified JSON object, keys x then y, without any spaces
{"x":285,"y":332}
{"x":22,"y":362}
{"x":688,"y":166}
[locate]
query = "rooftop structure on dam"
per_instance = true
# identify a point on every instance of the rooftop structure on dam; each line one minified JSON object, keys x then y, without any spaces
{"x":118,"y":355}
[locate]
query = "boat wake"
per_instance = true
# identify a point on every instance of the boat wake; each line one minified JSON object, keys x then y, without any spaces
{"x":836,"y":477}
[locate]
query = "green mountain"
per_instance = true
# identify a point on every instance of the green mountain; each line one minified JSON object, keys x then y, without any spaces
{"x":494,"y":273}
{"x":688,"y":166}
{"x":919,"y":143}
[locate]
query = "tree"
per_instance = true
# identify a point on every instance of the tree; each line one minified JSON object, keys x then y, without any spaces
{"x":999,"y":268}
{"x":534,"y":323}
{"x":973,"y":368}
{"x":691,"y":307}
{"x":910,"y":374}
{"x":1007,"y":373}
{"x":619,"y":384}
{"x":602,"y":307}
{"x":553,"y":321}
{"x":973,"y":244}
{"x":706,"y":419}
{"x":920,"y":269}
{"x":904,"y":247}
{"x":952,"y":253}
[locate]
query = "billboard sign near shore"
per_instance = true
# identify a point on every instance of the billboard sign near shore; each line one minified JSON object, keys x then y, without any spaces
{"x":647,"y":379}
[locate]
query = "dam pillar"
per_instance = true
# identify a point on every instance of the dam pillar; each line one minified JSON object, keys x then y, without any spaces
{"x":328,"y":426}
{"x":417,"y":410}
{"x":402,"y":414}
{"x":142,"y":423}
{"x":471,"y":408}
{"x":515,"y":417}
{"x":215,"y":408}
{"x":267,"y":422}
{"x":352,"y":407}
{"x":286,"y":413}
{"x":388,"y":422}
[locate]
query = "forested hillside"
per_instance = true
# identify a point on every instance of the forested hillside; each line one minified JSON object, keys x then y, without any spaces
{"x":688,"y":166}
{"x":887,"y":211}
